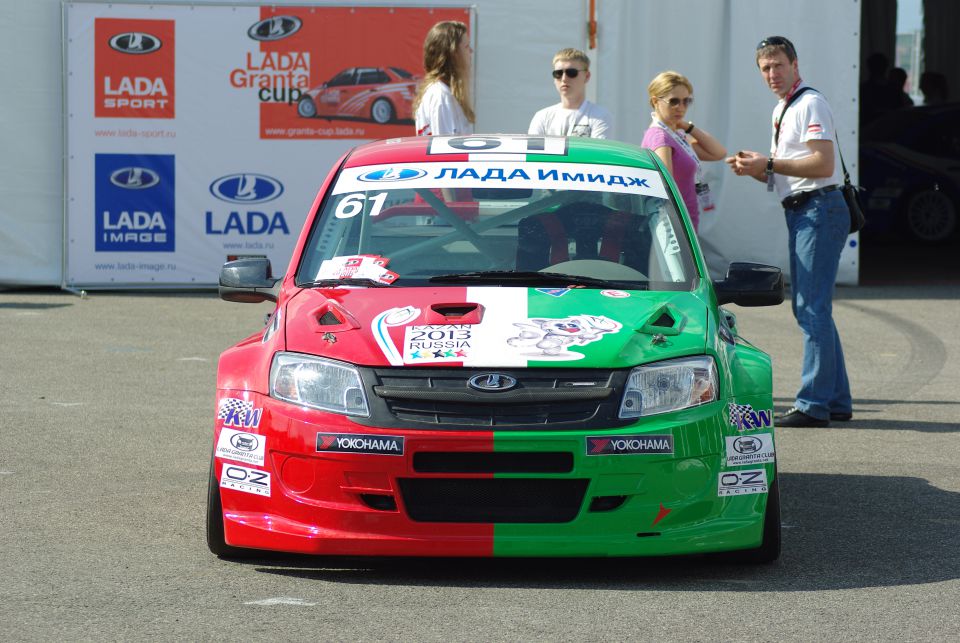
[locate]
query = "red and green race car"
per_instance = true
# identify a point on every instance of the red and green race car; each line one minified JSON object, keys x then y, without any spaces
{"x":496,"y":346}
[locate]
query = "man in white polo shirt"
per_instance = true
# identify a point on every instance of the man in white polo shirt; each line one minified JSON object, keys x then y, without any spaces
{"x":574,"y":115}
{"x":802,"y":168}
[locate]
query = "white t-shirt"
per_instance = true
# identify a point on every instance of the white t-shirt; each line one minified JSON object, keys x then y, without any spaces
{"x":439,"y":113}
{"x":809,"y":118}
{"x":590,"y":121}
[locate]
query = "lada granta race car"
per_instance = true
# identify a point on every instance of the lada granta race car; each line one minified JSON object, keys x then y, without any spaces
{"x":496,"y":346}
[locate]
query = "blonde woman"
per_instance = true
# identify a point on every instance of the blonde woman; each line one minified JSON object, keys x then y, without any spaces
{"x":679,"y":143}
{"x":442,"y":106}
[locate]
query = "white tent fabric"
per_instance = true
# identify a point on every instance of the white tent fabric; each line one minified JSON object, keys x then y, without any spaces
{"x":710,"y":41}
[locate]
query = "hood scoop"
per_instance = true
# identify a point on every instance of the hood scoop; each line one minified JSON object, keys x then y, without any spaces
{"x":332,"y":319}
{"x":665,"y":320}
{"x":458,"y":313}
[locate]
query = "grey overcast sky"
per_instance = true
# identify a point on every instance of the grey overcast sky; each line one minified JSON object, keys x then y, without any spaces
{"x":909,"y":15}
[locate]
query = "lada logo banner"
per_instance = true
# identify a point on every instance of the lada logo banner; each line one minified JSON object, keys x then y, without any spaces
{"x":174,"y":115}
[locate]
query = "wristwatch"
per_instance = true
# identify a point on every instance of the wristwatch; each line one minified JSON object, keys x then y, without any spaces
{"x":769,"y":171}
{"x":689,"y":129}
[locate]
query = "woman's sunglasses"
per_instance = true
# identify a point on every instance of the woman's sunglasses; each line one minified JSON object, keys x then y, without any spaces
{"x":571,"y":72}
{"x":676,"y":102}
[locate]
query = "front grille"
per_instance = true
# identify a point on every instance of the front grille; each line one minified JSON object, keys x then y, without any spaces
{"x":428,"y":398}
{"x":493,"y":462}
{"x":492,"y":500}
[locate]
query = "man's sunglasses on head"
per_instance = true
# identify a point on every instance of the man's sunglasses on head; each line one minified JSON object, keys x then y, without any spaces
{"x":777,"y":41}
{"x":572,"y":72}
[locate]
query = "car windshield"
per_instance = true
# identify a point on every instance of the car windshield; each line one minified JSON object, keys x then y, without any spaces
{"x":544,"y":224}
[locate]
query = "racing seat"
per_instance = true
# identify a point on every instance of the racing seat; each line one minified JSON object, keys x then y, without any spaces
{"x":582,"y":230}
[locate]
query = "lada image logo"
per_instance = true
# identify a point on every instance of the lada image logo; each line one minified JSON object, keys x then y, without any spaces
{"x":629,"y":444}
{"x":134,"y":199}
{"x":274,"y":28}
{"x":246,"y":188}
{"x":135,"y":43}
{"x":392,"y":174}
{"x":129,"y":83}
{"x":746,"y":445}
{"x":134,"y":178}
{"x":347,"y":443}
{"x":241,"y":446}
{"x":244,"y":441}
{"x":756,"y":448}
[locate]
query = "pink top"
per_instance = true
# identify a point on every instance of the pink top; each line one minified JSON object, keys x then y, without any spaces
{"x":684,"y":168}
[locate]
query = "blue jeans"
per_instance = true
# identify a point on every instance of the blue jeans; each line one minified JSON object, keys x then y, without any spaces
{"x":818,"y":232}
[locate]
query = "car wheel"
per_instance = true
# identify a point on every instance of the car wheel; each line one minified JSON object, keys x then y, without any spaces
{"x":931,"y":216}
{"x":769,"y":549}
{"x":306,"y":107}
{"x":215,"y":538}
{"x":381,"y":111}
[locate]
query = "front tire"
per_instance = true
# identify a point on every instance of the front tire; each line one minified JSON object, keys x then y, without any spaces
{"x":931,"y":216}
{"x":381,"y":111}
{"x":215,"y":538}
{"x":769,"y":549}
{"x":306,"y":107}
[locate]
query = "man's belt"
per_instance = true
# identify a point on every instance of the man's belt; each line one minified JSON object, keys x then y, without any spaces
{"x":799,"y":198}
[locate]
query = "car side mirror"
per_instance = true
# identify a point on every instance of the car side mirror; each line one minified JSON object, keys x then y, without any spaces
{"x":750,"y":284}
{"x":247,"y":281}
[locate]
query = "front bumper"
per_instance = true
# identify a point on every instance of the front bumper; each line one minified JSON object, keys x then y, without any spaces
{"x":487,"y":493}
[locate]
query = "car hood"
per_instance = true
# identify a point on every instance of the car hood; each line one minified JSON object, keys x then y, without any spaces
{"x":495,"y":327}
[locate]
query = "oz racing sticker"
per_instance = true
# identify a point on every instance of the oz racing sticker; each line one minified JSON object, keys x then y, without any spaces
{"x":755,"y":448}
{"x":241,"y":446}
{"x":349,"y":443}
{"x":742,"y":483}
{"x":246,"y":480}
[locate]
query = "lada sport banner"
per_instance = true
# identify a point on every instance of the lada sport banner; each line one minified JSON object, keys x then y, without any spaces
{"x":196,"y":133}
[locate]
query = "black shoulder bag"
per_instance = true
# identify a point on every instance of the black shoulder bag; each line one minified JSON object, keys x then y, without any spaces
{"x":851,"y":192}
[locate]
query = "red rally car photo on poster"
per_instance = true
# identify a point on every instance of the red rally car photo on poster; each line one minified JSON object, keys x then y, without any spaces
{"x":381,"y":94}
{"x":496,"y":345}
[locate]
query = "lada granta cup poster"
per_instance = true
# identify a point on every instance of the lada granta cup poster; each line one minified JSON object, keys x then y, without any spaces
{"x":175,"y":113}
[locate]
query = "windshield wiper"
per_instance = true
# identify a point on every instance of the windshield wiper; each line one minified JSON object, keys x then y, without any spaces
{"x":344,"y":281}
{"x":534,"y":278}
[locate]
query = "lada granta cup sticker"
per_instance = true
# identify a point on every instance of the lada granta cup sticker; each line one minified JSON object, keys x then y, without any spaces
{"x":350,"y":443}
{"x":630,"y":444}
{"x":744,"y":418}
{"x":755,"y":448}
{"x":241,"y":446}
{"x":244,"y":479}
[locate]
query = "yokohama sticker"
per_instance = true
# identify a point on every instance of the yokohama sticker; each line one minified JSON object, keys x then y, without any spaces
{"x":742,"y":483}
{"x":241,"y":446}
{"x":246,"y":480}
{"x":755,"y":448}
{"x":629,"y":444}
{"x":347,"y":443}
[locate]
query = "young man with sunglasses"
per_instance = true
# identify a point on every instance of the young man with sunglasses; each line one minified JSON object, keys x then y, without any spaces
{"x":801,"y":167}
{"x":574,"y":115}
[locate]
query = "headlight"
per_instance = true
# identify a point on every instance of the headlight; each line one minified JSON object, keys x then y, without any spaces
{"x":669,"y":386}
{"x":318,"y":383}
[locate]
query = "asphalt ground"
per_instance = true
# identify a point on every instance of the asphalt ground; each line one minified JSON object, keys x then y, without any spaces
{"x":108,"y":407}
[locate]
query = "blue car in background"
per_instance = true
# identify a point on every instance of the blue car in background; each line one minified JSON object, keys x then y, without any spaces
{"x":910,"y":169}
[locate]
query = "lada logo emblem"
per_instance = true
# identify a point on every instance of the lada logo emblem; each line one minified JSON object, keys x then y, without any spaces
{"x":492,"y":382}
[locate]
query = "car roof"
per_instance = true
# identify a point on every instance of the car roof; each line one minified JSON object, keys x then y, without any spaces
{"x":415,"y":149}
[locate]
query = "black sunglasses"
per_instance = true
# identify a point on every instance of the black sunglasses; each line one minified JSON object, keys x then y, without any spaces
{"x":675,"y":102}
{"x":571,"y":72}
{"x":778,"y":41}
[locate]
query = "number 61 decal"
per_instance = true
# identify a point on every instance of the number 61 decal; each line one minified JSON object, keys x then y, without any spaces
{"x":548,"y":145}
{"x":353,"y":204}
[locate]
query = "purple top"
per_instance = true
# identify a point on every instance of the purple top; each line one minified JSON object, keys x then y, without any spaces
{"x":684,"y":168}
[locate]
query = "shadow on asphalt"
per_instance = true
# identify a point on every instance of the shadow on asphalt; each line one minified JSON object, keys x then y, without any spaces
{"x":839,"y":532}
{"x":16,"y":305}
{"x":872,"y":418}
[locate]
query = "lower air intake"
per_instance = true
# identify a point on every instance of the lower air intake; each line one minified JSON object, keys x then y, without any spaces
{"x":492,"y":500}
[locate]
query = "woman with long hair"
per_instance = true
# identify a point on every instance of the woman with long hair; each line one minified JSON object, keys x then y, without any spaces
{"x":442,"y":106}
